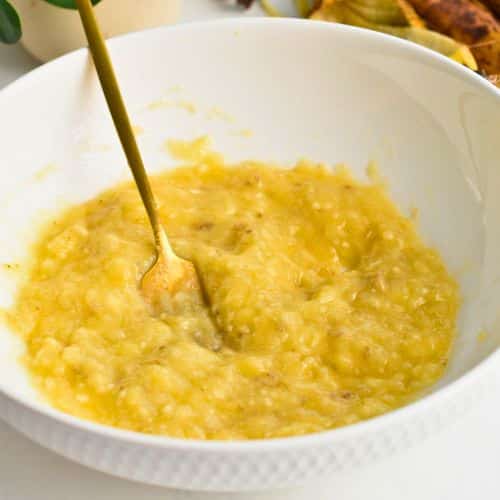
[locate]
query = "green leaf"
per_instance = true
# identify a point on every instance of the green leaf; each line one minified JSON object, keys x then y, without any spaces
{"x":68,"y":4}
{"x":10,"y":26}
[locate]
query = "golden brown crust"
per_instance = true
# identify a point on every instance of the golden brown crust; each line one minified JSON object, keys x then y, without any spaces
{"x":481,"y":4}
{"x":494,"y":5}
{"x":461,"y":19}
{"x":469,"y":23}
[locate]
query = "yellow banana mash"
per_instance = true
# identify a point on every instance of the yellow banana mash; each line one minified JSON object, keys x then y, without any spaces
{"x":330,"y":307}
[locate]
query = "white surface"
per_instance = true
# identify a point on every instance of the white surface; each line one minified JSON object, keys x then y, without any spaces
{"x":352,"y":104}
{"x":453,"y":465}
{"x":460,"y":464}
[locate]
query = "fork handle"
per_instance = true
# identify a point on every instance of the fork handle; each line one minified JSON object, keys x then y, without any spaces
{"x":116,"y":105}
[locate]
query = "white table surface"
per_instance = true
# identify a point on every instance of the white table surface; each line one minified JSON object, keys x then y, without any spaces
{"x":459,"y":464}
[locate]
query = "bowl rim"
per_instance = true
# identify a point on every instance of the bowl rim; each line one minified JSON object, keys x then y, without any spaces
{"x":330,"y":436}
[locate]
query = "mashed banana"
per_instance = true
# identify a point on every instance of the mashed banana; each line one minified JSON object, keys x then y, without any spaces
{"x":330,"y":308}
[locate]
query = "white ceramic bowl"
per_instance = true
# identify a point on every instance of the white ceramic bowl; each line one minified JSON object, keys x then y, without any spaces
{"x":315,"y":90}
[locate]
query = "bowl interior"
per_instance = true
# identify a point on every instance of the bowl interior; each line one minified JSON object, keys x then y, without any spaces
{"x":323,"y":92}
